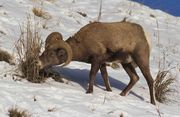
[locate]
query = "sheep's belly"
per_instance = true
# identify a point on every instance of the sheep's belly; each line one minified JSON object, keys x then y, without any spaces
{"x":115,"y":63}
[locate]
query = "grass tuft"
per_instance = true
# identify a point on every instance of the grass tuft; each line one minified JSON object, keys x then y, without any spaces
{"x":53,"y":109}
{"x":121,"y":115}
{"x":15,"y":112}
{"x":164,"y":80}
{"x":41,"y":13}
{"x":28,"y":48}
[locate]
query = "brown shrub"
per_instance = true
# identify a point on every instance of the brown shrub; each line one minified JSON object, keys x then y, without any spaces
{"x":121,"y":115}
{"x":41,"y":13}
{"x":28,"y":47}
{"x":14,"y":112}
{"x":164,"y":80}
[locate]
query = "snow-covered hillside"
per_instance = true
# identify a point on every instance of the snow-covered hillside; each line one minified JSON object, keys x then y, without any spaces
{"x":69,"y":99}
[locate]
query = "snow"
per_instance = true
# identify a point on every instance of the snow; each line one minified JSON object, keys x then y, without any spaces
{"x":69,"y":99}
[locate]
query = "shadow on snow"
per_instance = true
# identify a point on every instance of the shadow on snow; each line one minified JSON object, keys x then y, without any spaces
{"x":81,"y":76}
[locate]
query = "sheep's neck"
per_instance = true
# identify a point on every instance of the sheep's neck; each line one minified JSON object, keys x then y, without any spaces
{"x":77,"y":51}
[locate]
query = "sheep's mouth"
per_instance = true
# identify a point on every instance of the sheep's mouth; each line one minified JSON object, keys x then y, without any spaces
{"x":44,"y":71}
{"x":48,"y":67}
{"x":49,"y":72}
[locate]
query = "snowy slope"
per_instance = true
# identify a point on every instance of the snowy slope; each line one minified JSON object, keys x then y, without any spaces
{"x":70,"y":99}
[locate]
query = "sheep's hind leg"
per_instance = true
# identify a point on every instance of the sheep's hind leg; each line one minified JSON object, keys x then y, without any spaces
{"x":94,"y":69}
{"x":133,"y":77}
{"x":143,"y":63}
{"x":105,"y":76}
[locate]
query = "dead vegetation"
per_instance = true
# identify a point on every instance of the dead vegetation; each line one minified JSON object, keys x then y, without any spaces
{"x":164,"y":80}
{"x":82,"y":13}
{"x":15,"y":112}
{"x":52,"y":109}
{"x":163,"y":91}
{"x":39,"y":12}
{"x":100,"y":11}
{"x":2,"y":32}
{"x":121,"y":115}
{"x":153,"y":16}
{"x":5,"y":56}
{"x":28,"y":48}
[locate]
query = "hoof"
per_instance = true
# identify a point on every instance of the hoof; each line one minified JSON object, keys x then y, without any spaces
{"x":89,"y":91}
{"x":109,"y":90}
{"x":153,"y":102}
{"x":122,"y":94}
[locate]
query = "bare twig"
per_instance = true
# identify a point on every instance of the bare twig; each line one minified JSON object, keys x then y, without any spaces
{"x":158,"y":111}
{"x":158,"y":37}
{"x":100,"y":11}
{"x":52,"y":109}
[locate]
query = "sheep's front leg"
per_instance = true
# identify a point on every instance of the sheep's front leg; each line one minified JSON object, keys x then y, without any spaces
{"x":105,"y":76}
{"x":94,"y":69}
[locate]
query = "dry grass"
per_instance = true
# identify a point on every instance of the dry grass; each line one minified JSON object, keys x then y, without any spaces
{"x":121,"y":115}
{"x":15,"y":112}
{"x":28,"y":48}
{"x":164,"y":80}
{"x":153,"y":16}
{"x":53,"y":109}
{"x":82,"y":13}
{"x":41,"y":13}
{"x":100,"y":11}
{"x":2,"y":32}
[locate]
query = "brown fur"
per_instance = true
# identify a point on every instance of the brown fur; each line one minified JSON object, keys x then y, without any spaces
{"x":98,"y":43}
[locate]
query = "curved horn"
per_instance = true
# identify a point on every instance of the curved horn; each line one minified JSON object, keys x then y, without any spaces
{"x":63,"y":45}
{"x":52,"y":38}
{"x":68,"y":49}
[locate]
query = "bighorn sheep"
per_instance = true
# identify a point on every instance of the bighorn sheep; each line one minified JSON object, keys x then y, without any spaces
{"x":98,"y":43}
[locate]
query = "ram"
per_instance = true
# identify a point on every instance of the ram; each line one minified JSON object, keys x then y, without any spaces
{"x":98,"y":43}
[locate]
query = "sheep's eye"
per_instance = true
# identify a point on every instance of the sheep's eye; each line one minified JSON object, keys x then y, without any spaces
{"x":51,"y":53}
{"x":60,"y":52}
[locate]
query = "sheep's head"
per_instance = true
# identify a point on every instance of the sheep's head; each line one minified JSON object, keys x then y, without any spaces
{"x":57,"y":51}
